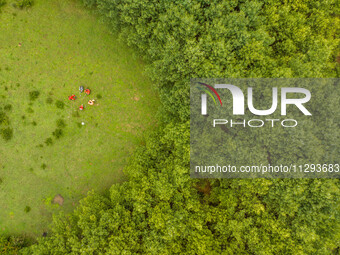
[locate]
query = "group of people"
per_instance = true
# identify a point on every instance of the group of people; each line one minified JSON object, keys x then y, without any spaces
{"x":87,"y":92}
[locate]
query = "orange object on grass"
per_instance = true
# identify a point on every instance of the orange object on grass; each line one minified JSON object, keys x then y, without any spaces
{"x":73,"y":97}
{"x":87,"y":91}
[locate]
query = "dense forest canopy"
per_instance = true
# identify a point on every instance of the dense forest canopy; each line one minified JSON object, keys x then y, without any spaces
{"x":160,"y":209}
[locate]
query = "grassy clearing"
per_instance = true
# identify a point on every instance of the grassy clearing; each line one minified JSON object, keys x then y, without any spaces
{"x":46,"y":53}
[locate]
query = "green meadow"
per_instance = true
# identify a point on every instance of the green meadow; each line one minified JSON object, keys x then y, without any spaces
{"x":47,"y":52}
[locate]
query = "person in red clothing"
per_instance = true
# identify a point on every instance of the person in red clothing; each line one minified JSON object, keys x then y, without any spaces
{"x":81,"y":107}
{"x":73,"y":97}
{"x":87,"y":91}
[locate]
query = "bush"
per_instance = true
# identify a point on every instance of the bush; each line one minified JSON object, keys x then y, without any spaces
{"x":60,"y":104}
{"x":12,"y":245}
{"x":48,"y":141}
{"x":34,"y":95}
{"x":23,"y":3}
{"x":1,"y":181}
{"x":58,"y":133}
{"x":43,"y":166}
{"x":61,"y":123}
{"x":27,"y":209}
{"x":4,"y":120}
{"x":8,"y":107}
{"x":7,"y":133}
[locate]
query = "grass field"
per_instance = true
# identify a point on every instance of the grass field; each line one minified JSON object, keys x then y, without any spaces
{"x":46,"y":53}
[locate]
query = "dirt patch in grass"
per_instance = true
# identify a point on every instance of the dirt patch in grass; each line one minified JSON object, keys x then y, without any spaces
{"x":58,"y":199}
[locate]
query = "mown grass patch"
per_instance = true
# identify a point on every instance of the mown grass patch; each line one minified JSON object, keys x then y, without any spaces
{"x":47,"y":145}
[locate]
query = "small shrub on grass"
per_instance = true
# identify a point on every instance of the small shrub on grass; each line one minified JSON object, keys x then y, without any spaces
{"x":49,"y":141}
{"x":23,"y":3}
{"x":2,"y":3}
{"x":7,"y":133}
{"x":34,"y":95}
{"x":49,"y":100}
{"x":60,"y":104}
{"x":58,"y":133}
{"x":8,"y":107}
{"x":27,"y":209}
{"x":12,"y":244}
{"x":1,"y":180}
{"x":43,"y":166}
{"x":4,"y":120}
{"x":61,"y":123}
{"x":34,"y":123}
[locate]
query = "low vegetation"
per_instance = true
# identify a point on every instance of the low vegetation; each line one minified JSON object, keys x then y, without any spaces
{"x":43,"y":150}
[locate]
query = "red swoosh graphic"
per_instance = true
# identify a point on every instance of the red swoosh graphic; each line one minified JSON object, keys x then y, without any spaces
{"x":213,"y":90}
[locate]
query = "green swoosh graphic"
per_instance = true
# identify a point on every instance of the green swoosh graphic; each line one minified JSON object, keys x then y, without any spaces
{"x":208,"y":92}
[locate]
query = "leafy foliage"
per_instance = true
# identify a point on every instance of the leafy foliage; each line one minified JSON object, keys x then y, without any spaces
{"x":185,"y":39}
{"x":160,"y":210}
{"x":10,"y":245}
